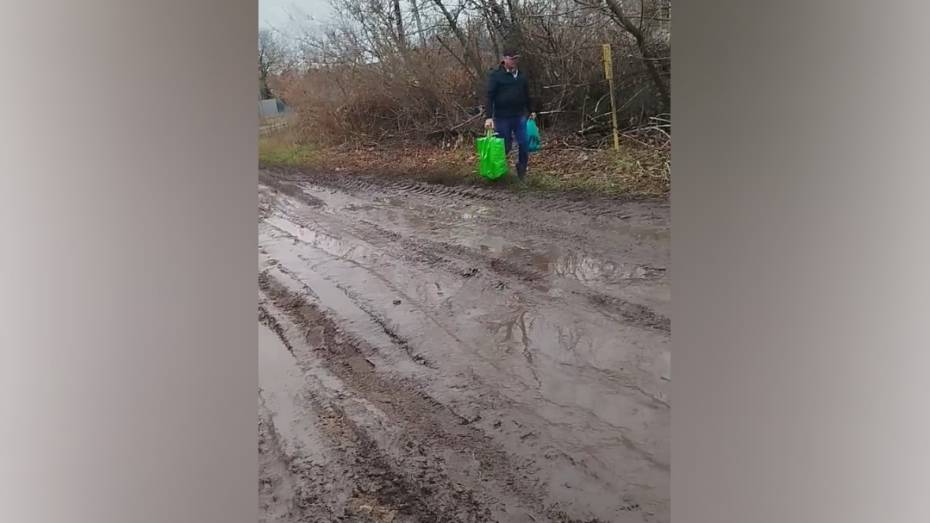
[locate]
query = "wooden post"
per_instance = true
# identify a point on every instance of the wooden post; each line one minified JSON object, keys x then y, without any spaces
{"x":609,"y":74}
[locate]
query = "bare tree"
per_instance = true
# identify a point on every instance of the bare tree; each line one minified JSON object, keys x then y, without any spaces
{"x":471,"y":57}
{"x":271,"y":56}
{"x":399,"y":22}
{"x":415,"y":8}
{"x":639,"y":33}
{"x":392,"y":68}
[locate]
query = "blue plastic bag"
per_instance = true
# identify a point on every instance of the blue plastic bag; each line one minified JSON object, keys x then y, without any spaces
{"x":532,"y":134}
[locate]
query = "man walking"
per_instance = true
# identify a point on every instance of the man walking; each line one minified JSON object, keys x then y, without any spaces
{"x":508,"y":105}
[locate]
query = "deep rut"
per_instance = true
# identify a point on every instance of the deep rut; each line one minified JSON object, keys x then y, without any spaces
{"x":446,"y":354}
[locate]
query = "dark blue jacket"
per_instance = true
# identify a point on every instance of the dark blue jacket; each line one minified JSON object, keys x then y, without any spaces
{"x":507,"y":96}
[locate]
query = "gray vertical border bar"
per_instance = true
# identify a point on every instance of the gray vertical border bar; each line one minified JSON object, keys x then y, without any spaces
{"x":128,"y":336}
{"x":800,"y":253}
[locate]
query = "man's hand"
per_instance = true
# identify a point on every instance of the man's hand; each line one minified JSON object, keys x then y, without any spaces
{"x":489,"y":123}
{"x":532,"y":116}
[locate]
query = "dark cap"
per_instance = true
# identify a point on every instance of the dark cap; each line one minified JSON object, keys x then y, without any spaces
{"x":511,"y":52}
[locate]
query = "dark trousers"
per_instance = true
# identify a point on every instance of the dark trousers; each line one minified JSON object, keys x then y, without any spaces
{"x":510,"y":127}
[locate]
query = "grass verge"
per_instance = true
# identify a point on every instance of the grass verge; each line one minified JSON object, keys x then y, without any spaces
{"x":279,"y":150}
{"x":636,"y":170}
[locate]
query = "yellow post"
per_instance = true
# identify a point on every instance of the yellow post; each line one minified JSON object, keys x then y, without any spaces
{"x":609,"y":74}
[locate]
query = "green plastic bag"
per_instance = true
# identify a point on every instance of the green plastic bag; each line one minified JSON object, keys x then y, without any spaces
{"x":532,"y":134}
{"x":492,"y":158}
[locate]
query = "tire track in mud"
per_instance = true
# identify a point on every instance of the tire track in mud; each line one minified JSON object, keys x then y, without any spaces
{"x":292,"y":185}
{"x":612,"y":308}
{"x":630,"y":313}
{"x":429,"y":428}
{"x":627,"y":443}
{"x":380,"y":491}
{"x":588,"y":205}
{"x":444,"y":254}
{"x":416,"y":461}
{"x":398,"y":340}
{"x":417,"y":251}
{"x":435,"y":434}
{"x":359,"y":303}
{"x":277,"y":486}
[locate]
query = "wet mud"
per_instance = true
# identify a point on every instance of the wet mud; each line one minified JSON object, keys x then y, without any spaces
{"x":432,"y":353}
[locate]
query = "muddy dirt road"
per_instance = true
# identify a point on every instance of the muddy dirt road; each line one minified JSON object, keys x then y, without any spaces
{"x":435,"y":354}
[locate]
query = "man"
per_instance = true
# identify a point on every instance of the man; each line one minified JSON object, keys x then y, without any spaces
{"x":508,"y":104}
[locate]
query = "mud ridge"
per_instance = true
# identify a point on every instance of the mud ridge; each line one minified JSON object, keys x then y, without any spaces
{"x":431,"y":253}
{"x":398,"y":340}
{"x":276,"y":484}
{"x":429,"y":248}
{"x":532,"y":204}
{"x":289,"y":187}
{"x":587,"y":204}
{"x":631,"y":312}
{"x":383,"y":490}
{"x":429,"y":425}
{"x":457,"y":347}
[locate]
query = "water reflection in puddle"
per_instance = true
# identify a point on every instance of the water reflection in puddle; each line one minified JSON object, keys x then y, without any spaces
{"x":280,"y":381}
{"x":569,"y":264}
{"x":325,"y":242}
{"x":589,"y":268}
{"x":475,"y":213}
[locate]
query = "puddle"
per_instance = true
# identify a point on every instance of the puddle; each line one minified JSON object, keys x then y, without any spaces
{"x":446,"y":224}
{"x":572,"y":264}
{"x":475,"y":212}
{"x":590,"y":268}
{"x":336,"y":201}
{"x":657,"y":234}
{"x":331,"y":297}
{"x":281,"y":383}
{"x":546,"y":341}
{"x":558,"y":373}
{"x":351,"y":311}
{"x":608,"y":406}
{"x":640,"y":233}
{"x":325,"y":242}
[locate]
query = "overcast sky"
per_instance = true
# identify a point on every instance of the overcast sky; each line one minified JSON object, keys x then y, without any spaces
{"x":277,"y":14}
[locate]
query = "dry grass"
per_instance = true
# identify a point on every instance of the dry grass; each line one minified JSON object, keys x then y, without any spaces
{"x":636,"y":170}
{"x":282,"y":149}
